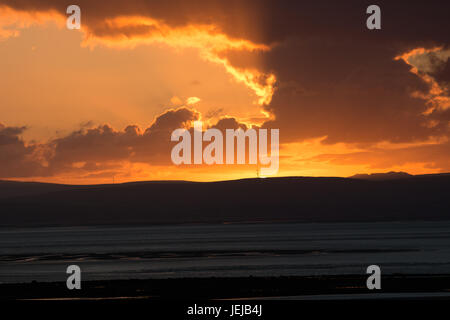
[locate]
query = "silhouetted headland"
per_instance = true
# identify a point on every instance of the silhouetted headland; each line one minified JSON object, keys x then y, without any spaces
{"x":301,"y":199}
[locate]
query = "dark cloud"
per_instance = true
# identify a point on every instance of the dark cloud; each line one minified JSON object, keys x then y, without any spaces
{"x":154,"y":146}
{"x":83,"y":149}
{"x":347,"y":93}
{"x":271,"y":21}
{"x":241,"y":19}
{"x":442,"y":75}
{"x":89,"y":150}
{"x":17,"y":159}
{"x":351,"y":89}
{"x":99,"y":144}
{"x":97,"y":152}
{"x":229,"y":123}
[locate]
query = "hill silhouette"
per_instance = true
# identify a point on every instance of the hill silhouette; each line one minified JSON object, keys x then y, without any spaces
{"x":304,"y":199}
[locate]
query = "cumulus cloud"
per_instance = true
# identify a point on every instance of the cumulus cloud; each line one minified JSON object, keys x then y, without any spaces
{"x":229,"y":123}
{"x":103,"y":146}
{"x":16,"y":158}
{"x":99,"y":151}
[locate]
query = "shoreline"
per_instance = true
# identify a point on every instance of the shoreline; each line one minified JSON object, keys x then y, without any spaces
{"x":216,"y":223}
{"x":246,"y":288}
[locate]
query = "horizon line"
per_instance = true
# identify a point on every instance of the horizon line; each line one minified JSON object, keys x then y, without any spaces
{"x":369,"y":175}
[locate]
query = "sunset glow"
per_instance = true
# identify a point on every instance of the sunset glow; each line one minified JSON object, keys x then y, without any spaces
{"x":99,"y":104}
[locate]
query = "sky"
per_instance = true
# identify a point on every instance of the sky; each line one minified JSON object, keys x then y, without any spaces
{"x":99,"y":104}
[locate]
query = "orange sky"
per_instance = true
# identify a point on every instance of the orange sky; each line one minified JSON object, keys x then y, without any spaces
{"x":88,"y":106}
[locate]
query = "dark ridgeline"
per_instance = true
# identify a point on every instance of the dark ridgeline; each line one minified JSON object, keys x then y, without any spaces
{"x":264,"y":200}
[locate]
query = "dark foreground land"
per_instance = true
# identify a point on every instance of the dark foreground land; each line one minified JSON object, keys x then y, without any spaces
{"x":302,"y":199}
{"x":251,"y":288}
{"x":337,"y":297}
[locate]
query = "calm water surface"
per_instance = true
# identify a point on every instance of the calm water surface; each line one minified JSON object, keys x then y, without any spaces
{"x":43,"y":254}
